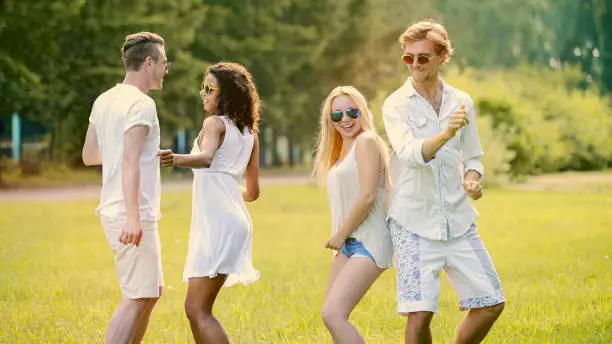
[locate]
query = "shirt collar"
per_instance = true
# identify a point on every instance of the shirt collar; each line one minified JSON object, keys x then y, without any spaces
{"x":411,"y":91}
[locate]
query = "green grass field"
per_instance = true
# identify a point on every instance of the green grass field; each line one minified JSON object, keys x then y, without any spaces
{"x":553,"y":252}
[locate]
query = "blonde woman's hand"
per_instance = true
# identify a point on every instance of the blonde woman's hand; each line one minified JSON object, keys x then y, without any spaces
{"x":336,"y":241}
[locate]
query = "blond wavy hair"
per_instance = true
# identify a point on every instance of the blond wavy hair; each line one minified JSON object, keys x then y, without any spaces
{"x":329,"y":141}
{"x":432,"y":31}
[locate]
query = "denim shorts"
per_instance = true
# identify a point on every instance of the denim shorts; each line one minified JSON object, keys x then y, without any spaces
{"x":354,"y":248}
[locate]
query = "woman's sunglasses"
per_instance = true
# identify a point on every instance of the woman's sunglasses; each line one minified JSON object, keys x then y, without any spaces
{"x":420,"y":59}
{"x":336,"y":116}
{"x":207,"y":89}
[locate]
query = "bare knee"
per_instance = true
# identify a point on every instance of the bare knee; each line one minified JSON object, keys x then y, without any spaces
{"x":146,"y":305}
{"x":495,"y":311}
{"x":332,"y":316}
{"x":196,"y":311}
{"x":419,"y":320}
{"x":193,"y":311}
{"x":491,"y":312}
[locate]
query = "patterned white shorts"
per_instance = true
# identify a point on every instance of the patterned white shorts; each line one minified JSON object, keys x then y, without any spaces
{"x":464,"y":259}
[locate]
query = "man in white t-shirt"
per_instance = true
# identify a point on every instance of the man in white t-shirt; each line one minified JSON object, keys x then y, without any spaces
{"x":123,"y":136}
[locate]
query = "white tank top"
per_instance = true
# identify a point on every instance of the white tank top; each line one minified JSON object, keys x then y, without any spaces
{"x":343,"y":189}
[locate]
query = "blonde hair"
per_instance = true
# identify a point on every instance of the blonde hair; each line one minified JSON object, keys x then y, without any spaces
{"x":329,"y":141}
{"x":432,"y":31}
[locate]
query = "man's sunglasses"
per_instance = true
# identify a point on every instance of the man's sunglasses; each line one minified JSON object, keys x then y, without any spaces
{"x":336,"y":116}
{"x":207,"y":89}
{"x":419,"y":59}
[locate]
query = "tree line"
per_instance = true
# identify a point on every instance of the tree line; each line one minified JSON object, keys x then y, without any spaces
{"x":57,"y":56}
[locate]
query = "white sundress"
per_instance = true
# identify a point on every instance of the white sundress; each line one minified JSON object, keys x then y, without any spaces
{"x":220,"y":238}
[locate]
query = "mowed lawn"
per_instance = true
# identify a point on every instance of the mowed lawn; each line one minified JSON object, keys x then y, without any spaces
{"x":553,"y":252}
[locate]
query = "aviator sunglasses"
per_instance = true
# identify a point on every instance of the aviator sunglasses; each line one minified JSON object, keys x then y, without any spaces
{"x":336,"y":116}
{"x":419,"y":59}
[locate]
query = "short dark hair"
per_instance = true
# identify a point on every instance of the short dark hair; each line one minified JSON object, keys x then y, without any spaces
{"x":239,"y":99}
{"x":137,"y":47}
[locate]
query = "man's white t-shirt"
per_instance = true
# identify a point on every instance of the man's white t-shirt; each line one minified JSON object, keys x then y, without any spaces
{"x":114,"y":112}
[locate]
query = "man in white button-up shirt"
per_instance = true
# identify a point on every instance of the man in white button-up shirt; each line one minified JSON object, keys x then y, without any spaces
{"x":436,"y":168}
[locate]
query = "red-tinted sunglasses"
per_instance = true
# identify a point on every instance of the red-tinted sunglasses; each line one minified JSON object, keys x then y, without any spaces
{"x":419,"y":59}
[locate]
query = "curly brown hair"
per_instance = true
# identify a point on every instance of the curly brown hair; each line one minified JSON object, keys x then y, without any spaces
{"x":239,"y":99}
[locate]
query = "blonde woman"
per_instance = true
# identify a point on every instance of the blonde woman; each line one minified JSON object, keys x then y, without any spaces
{"x":353,"y":161}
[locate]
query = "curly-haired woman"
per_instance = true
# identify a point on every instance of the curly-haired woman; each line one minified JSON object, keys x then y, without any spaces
{"x":225,"y":152}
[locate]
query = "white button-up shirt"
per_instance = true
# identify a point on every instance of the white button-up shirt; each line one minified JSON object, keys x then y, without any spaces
{"x":428,"y":198}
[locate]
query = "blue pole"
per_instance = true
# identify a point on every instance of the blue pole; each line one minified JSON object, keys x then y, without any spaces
{"x":182,"y":141}
{"x":16,"y":135}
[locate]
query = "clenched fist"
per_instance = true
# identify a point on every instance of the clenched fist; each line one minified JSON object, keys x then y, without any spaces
{"x":457,"y":120}
{"x":473,"y":188}
{"x":166,"y":157}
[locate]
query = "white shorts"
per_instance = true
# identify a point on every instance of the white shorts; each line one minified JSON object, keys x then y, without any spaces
{"x":464,"y":259}
{"x":139,"y":269}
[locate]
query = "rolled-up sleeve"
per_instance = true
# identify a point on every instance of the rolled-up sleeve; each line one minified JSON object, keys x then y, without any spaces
{"x":142,"y":113}
{"x":470,"y":144}
{"x":407,"y":148}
